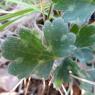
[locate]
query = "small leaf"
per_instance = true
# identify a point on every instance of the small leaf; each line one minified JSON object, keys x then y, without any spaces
{"x":69,"y":38}
{"x":74,"y":28}
{"x":62,"y":72}
{"x":59,"y":39}
{"x":55,"y":30}
{"x":86,"y":36}
{"x":84,"y":55}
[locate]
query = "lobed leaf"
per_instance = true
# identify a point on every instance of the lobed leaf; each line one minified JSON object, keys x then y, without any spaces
{"x":58,"y":37}
{"x":27,"y":54}
{"x":78,"y":11}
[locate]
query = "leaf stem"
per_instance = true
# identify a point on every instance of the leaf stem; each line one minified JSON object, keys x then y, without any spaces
{"x":84,"y":80}
{"x":14,"y":88}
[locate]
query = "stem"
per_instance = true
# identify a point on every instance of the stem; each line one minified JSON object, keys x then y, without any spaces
{"x":44,"y":85}
{"x":42,"y":11}
{"x":14,"y":88}
{"x":49,"y":11}
{"x":70,"y":90}
{"x":66,"y":93}
{"x":84,"y":80}
{"x":60,"y":91}
{"x":27,"y":86}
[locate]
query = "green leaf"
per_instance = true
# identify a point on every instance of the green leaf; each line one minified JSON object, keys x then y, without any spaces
{"x":74,"y":28}
{"x":62,"y":72}
{"x":5,"y":25}
{"x":84,"y":55}
{"x":12,"y":17}
{"x":92,"y":73}
{"x":83,"y":85}
{"x":86,"y":36}
{"x":27,"y":53}
{"x":42,"y":70}
{"x":75,"y":11}
{"x":82,"y":74}
{"x":58,"y":38}
{"x":88,"y":93}
{"x":12,"y":48}
{"x":22,"y":68}
{"x":86,"y":87}
{"x":15,"y":14}
{"x":55,"y":30}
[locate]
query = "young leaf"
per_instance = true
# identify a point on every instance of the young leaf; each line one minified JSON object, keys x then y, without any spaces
{"x":74,"y":28}
{"x":62,"y":72}
{"x":55,"y":30}
{"x":59,"y":38}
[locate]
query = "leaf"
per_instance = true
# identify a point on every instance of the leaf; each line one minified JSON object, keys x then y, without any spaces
{"x":5,"y":25}
{"x":88,"y":93}
{"x":58,"y":38}
{"x":21,"y":68}
{"x":74,"y":28}
{"x":42,"y":70}
{"x":84,"y":85}
{"x":86,"y":36}
{"x":15,"y":14}
{"x":92,"y":73}
{"x":84,"y":55}
{"x":75,"y":11}
{"x":55,"y":30}
{"x":12,"y":17}
{"x":62,"y":72}
{"x":84,"y":77}
{"x":87,"y":87}
{"x":12,"y":48}
{"x":27,"y":52}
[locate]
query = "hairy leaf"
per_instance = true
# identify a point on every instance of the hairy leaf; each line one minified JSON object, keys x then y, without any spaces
{"x":27,"y":53}
{"x":58,"y":37}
